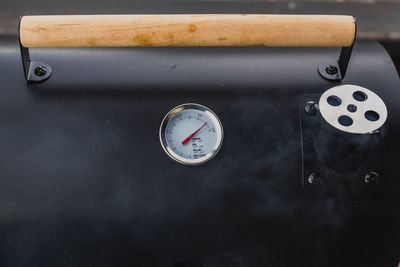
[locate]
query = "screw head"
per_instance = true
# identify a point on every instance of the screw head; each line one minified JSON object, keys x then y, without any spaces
{"x":311,"y":108}
{"x":331,"y":69}
{"x":40,"y":71}
{"x":372,"y":178}
{"x":314,"y":179}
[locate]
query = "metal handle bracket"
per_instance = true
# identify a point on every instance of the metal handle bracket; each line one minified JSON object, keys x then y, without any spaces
{"x":34,"y":71}
{"x":336,"y":70}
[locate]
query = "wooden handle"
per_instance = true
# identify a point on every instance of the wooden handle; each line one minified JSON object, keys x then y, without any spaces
{"x":187,"y":30}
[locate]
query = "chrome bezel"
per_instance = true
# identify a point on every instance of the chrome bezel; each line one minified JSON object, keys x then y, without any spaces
{"x":211,"y":115}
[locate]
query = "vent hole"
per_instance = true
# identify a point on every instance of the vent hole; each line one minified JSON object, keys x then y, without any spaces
{"x":334,"y":100}
{"x":359,"y":96}
{"x":371,"y":115}
{"x":345,"y":120}
{"x":352,"y":108}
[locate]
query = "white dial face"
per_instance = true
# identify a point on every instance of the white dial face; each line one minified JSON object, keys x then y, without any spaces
{"x":191,"y":134}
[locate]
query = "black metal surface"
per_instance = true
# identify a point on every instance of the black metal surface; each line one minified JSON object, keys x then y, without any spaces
{"x":344,"y":58}
{"x":85,"y":182}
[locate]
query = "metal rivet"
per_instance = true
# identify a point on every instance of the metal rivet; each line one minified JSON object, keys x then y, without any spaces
{"x":40,"y":71}
{"x":331,"y":70}
{"x":352,"y":108}
{"x":311,"y":108}
{"x":372,"y":178}
{"x":314,"y":179}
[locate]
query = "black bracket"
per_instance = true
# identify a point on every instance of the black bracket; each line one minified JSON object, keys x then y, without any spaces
{"x":34,"y":71}
{"x":336,"y":70}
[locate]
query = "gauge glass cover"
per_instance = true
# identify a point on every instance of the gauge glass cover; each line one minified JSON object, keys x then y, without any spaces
{"x":191,"y":134}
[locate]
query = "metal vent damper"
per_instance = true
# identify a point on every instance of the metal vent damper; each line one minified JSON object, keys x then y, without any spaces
{"x":350,"y":122}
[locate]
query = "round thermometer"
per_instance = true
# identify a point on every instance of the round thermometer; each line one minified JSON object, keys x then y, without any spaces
{"x":191,"y":134}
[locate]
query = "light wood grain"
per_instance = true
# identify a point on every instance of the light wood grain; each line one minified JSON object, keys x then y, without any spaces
{"x":187,"y":30}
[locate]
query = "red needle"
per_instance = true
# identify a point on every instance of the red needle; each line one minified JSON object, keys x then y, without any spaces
{"x":193,"y":134}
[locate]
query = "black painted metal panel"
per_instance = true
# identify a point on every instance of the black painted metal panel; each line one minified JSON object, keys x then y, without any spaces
{"x":84,"y":180}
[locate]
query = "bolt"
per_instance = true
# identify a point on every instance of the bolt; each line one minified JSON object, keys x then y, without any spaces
{"x":372,"y":178}
{"x":311,"y":108}
{"x":314,"y":179}
{"x":332,"y":70}
{"x":352,"y":108}
{"x":40,"y":71}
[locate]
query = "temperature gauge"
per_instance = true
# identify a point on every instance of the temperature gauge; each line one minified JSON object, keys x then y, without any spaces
{"x":191,"y":134}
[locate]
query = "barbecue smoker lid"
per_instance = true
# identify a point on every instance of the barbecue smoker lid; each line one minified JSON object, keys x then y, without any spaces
{"x":353,"y":109}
